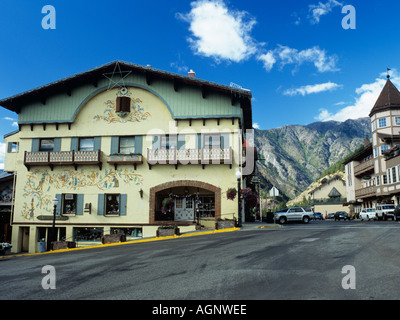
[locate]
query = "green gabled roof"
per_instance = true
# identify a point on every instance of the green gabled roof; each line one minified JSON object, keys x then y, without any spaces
{"x":94,"y":78}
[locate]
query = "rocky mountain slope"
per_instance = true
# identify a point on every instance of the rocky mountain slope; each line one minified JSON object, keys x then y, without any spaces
{"x":296,"y":155}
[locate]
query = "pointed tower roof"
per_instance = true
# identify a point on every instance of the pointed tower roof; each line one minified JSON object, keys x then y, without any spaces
{"x":388,"y":99}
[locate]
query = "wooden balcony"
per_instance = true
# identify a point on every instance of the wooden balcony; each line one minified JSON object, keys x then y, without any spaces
{"x":366,"y":192}
{"x":130,"y":159}
{"x":62,"y":158}
{"x":364,"y":167}
{"x":189,"y":156}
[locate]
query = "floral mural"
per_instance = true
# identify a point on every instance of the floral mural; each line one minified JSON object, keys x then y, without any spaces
{"x":39,"y":183}
{"x":110,"y":115}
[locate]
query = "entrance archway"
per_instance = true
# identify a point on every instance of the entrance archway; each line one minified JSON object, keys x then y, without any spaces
{"x":184,"y":193}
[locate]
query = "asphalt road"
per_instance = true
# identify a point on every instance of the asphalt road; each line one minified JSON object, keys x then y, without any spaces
{"x":295,"y":261}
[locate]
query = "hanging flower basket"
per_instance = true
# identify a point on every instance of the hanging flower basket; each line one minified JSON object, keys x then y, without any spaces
{"x":167,"y":205}
{"x":231,"y":194}
{"x":245,"y":192}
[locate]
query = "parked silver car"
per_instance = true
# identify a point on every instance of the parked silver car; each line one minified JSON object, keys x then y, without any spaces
{"x":303,"y":214}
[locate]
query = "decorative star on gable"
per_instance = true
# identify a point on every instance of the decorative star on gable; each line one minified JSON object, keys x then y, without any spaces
{"x":116,"y":78}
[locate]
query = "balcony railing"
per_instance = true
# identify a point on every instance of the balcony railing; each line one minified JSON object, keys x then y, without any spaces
{"x":364,"y":167}
{"x":366,"y":192}
{"x":117,"y":159}
{"x":190,"y":156}
{"x":52,"y":159}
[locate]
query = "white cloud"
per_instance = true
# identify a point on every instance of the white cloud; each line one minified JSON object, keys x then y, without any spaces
{"x":315,"y":88}
{"x":219,"y":32}
{"x":256,"y":125}
{"x":286,"y":55}
{"x":321,"y":9}
{"x":268,"y":60}
{"x":363,"y":104}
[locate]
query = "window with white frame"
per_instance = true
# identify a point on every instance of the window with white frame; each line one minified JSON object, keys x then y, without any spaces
{"x":375,"y":152}
{"x":378,"y":180}
{"x":384,"y":178}
{"x":394,"y":175}
{"x":397,"y":121}
{"x":384,"y":148}
{"x":389,"y":176}
{"x":382,"y":122}
{"x":127,"y":145}
{"x":373,"y":125}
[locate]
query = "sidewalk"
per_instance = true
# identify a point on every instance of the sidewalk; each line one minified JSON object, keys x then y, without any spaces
{"x":245,"y":226}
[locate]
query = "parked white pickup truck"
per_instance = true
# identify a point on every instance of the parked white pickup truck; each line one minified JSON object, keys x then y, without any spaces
{"x":384,"y":211}
{"x":303,"y":214}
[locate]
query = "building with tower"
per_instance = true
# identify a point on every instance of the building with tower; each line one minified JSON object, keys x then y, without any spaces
{"x":373,"y":174}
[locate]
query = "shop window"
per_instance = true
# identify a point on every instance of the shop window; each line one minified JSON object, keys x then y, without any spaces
{"x":69,"y":204}
{"x":88,"y":234}
{"x":112,"y":204}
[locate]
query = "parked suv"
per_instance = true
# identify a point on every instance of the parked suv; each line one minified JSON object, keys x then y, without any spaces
{"x":384,"y":211}
{"x":303,"y":214}
{"x":4,"y":247}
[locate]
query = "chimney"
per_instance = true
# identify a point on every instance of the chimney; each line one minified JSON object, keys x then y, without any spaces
{"x":191,"y":73}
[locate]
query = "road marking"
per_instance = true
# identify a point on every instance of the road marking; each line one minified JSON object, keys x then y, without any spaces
{"x":309,"y":239}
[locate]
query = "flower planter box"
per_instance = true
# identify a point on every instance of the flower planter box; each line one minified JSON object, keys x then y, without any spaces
{"x":59,"y":245}
{"x":225,"y":224}
{"x":113,"y":238}
{"x":167,"y":232}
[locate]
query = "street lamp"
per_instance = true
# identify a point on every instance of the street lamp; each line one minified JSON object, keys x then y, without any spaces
{"x":55,"y":203}
{"x":238,"y":177}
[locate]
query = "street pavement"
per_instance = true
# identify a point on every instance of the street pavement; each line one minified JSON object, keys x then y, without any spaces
{"x":323,"y":260}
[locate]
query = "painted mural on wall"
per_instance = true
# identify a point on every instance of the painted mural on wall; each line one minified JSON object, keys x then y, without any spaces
{"x":39,"y":183}
{"x":110,"y":115}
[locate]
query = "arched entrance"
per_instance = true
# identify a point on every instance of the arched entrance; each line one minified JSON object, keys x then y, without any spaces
{"x":176,"y":201}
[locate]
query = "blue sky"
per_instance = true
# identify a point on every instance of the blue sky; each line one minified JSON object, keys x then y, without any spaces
{"x":299,"y":62}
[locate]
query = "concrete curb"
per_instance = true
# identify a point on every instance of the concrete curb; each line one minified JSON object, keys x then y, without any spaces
{"x":185,"y":235}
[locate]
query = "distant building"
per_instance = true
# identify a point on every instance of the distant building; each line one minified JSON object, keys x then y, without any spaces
{"x":373,"y":174}
{"x":329,"y":196}
{"x":125,"y":149}
{"x":7,"y":182}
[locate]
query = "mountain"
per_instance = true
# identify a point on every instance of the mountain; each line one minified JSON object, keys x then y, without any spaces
{"x":295,"y":155}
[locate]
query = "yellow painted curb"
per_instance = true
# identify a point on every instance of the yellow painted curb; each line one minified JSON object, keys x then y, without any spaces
{"x":124,"y":243}
{"x":274,"y":226}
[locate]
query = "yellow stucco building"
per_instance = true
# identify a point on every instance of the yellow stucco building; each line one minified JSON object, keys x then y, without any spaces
{"x":125,"y":149}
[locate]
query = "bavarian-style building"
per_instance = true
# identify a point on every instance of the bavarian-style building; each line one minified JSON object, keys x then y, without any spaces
{"x":125,"y":149}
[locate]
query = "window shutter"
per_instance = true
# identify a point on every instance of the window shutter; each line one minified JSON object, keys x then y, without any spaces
{"x":35,"y":145}
{"x":225,"y":140}
{"x":59,"y":205}
{"x":74,"y":144}
{"x":122,"y":204}
{"x":114,"y":145}
{"x":57,"y":145}
{"x":181,"y":142}
{"x":118,"y":105}
{"x":156,"y":143}
{"x":138,"y":144}
{"x":79,"y":204}
{"x":100,"y":205}
{"x":9,"y":147}
{"x":97,"y":143}
{"x":123,"y":104}
{"x":198,"y":141}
